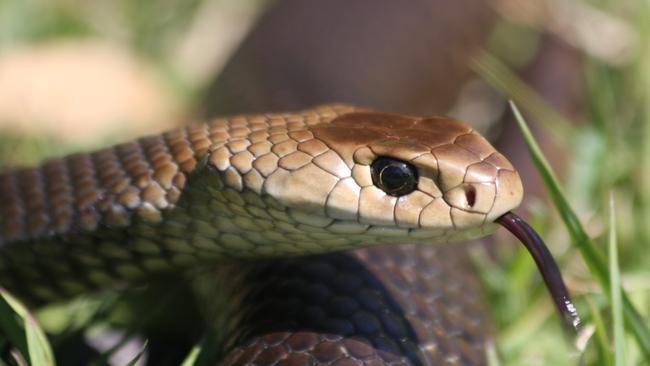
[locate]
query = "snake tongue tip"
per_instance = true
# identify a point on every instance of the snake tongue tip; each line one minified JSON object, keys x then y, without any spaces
{"x":546,"y":264}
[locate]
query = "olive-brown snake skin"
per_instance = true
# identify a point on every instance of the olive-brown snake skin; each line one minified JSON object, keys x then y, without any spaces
{"x":274,"y":185}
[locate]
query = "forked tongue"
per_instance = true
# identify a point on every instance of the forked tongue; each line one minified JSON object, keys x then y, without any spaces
{"x":546,"y":265}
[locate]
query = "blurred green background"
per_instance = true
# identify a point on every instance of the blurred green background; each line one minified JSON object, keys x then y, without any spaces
{"x":80,"y":74}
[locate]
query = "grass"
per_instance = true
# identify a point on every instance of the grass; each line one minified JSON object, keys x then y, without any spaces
{"x":616,"y":291}
{"x":607,"y":161}
{"x":22,"y":331}
{"x":608,"y":277}
{"x":607,"y":152}
{"x":587,"y":248}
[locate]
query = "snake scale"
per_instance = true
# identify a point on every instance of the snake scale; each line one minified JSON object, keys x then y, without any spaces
{"x":319,"y":181}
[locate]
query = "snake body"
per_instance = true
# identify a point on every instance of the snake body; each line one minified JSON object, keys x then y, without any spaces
{"x":384,"y":305}
{"x":257,"y":186}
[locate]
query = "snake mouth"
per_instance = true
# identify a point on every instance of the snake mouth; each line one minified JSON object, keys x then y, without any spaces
{"x":547,"y":266}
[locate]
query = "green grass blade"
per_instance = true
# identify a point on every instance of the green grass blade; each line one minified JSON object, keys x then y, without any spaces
{"x":594,"y":259}
{"x":138,"y":356}
{"x":643,"y":78}
{"x":601,"y":340}
{"x":10,"y":325}
{"x":615,"y":283}
{"x":191,"y":358}
{"x":207,"y":352}
{"x":40,"y":352}
{"x":492,"y":355}
{"x":24,"y":332}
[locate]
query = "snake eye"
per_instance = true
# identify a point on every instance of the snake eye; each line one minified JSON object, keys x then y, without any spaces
{"x":394,"y":177}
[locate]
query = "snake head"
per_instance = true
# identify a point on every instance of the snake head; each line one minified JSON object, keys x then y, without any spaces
{"x":350,"y":178}
{"x":422,"y":177}
{"x":456,"y":178}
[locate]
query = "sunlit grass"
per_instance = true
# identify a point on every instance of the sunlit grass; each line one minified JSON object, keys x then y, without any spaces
{"x":616,"y":289}
{"x":20,"y":330}
{"x":608,"y":152}
{"x":609,"y":278}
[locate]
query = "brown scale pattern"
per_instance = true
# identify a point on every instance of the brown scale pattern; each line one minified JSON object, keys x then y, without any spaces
{"x":112,"y":215}
{"x":82,"y":192}
{"x":286,"y":184}
{"x":90,"y":220}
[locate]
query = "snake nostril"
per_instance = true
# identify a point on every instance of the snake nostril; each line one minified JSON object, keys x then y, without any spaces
{"x":470,"y":195}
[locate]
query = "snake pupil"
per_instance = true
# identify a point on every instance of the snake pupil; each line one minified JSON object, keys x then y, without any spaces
{"x":395,"y":177}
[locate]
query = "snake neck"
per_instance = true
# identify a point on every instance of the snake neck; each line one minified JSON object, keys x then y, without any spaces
{"x":246,"y":187}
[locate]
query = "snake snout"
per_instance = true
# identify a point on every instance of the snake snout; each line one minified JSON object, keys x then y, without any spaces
{"x":481,"y":195}
{"x":472,"y":197}
{"x":509,"y":193}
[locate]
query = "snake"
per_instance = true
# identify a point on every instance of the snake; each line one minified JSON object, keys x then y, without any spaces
{"x":265,"y":189}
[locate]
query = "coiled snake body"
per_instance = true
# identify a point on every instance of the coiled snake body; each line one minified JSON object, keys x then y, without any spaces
{"x":277,"y":185}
